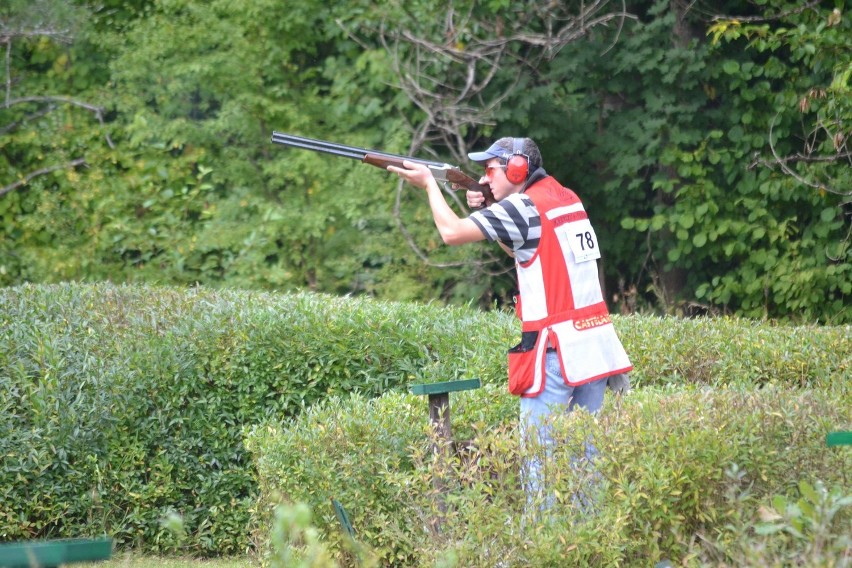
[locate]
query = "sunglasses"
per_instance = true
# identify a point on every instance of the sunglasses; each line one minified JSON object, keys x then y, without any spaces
{"x":489,"y":170}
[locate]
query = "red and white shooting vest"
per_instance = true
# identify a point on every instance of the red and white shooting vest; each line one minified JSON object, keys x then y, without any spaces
{"x":561,"y":298}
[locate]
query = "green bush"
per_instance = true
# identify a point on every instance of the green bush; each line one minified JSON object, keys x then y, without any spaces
{"x":120,"y":405}
{"x":683,"y":474}
{"x":811,"y":530}
{"x":342,"y":450}
{"x":684,"y":467}
{"x":353,"y":450}
{"x":727,"y":351}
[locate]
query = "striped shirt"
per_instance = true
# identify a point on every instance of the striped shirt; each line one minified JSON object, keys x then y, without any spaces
{"x":513,"y":221}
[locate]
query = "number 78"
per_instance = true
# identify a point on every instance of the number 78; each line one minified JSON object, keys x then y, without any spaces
{"x":586,"y":240}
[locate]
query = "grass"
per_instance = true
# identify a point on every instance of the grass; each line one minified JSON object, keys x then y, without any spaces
{"x":131,"y":560}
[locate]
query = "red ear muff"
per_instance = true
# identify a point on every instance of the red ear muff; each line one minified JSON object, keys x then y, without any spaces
{"x":517,"y":169}
{"x":518,"y":165}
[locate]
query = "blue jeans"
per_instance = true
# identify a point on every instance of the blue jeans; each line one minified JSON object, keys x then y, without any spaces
{"x":535,"y":422}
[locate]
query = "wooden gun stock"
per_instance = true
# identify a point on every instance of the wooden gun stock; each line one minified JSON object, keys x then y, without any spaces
{"x":441,"y":172}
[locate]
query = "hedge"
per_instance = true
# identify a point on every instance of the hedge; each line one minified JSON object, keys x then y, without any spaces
{"x":121,"y":405}
{"x":683,"y":474}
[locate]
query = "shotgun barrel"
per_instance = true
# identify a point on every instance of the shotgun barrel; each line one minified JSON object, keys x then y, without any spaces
{"x":441,"y":171}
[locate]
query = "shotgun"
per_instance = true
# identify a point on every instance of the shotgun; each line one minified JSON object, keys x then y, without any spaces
{"x":441,"y":172}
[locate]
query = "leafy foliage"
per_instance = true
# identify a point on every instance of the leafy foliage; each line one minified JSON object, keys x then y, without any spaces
{"x":683,"y":474}
{"x":121,"y":406}
{"x":669,"y":128}
{"x":135,"y":158}
{"x":809,"y":522}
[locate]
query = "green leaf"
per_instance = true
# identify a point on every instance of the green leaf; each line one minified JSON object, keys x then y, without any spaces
{"x":768,"y":529}
{"x":808,"y":492}
{"x":828,"y":214}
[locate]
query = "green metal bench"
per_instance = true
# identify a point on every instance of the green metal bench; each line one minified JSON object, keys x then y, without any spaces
{"x":841,"y":438}
{"x":52,"y":553}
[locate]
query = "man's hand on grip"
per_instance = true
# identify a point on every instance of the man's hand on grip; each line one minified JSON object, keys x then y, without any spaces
{"x":475,"y":199}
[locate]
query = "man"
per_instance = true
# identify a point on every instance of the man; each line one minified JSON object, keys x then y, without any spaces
{"x":569,"y":350}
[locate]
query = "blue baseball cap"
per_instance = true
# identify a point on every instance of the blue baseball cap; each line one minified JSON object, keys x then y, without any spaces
{"x":496,"y":150}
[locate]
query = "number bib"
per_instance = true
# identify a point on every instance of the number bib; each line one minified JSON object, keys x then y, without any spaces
{"x":583,"y":241}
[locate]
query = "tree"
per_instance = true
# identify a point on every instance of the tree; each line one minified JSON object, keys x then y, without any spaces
{"x":688,"y":153}
{"x":658,"y":137}
{"x":465,"y":67}
{"x":51,"y":130}
{"x":821,"y":156}
{"x":22,"y":25}
{"x":756,"y":240}
{"x":802,"y":161}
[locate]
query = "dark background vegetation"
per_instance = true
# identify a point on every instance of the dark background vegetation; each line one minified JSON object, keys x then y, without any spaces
{"x":708,"y":139}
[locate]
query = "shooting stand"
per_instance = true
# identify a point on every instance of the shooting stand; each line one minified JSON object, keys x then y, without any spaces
{"x":439,"y":416}
{"x":439,"y":402}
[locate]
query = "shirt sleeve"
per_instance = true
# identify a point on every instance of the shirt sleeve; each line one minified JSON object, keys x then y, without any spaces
{"x":513,"y":221}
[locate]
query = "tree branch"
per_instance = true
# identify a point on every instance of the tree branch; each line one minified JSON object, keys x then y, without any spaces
{"x":46,"y":27}
{"x":68,"y":100}
{"x":96,"y":110}
{"x":799,"y":158}
{"x":41,"y":172}
{"x":8,"y":43}
{"x":448,"y":69}
{"x":806,"y":158}
{"x":32,"y":116}
{"x":810,"y":5}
